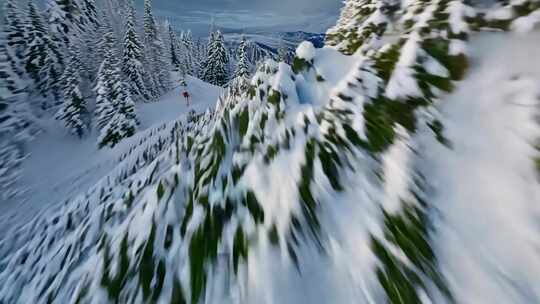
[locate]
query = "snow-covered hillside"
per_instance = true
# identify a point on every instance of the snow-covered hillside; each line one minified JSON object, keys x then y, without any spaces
{"x":58,"y":166}
{"x":398,"y":164}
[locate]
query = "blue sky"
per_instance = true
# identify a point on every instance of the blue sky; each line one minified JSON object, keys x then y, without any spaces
{"x":279,"y":15}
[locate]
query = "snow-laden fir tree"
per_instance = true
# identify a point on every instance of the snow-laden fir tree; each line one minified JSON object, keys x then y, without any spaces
{"x":15,"y":27}
{"x":15,"y":123}
{"x":132,"y":59}
{"x":123,"y":123}
{"x":216,"y":65}
{"x":89,"y":15}
{"x":115,"y":115}
{"x":43,"y":60}
{"x":105,"y":107}
{"x":16,"y":114}
{"x":50,"y":74}
{"x":188,"y":53}
{"x":65,"y":20}
{"x":243,"y":65}
{"x":89,"y":39}
{"x":74,"y":108}
{"x":199,"y":57}
{"x":156,"y":61}
{"x":38,"y":44}
{"x":173,"y":48}
{"x":240,"y":83}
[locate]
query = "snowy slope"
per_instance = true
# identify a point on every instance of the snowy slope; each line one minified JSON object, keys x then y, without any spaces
{"x":486,"y":187}
{"x":60,"y":166}
{"x":401,"y":174}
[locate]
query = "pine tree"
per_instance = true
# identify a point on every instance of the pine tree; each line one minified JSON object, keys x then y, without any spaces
{"x":89,"y":15}
{"x":43,"y":60}
{"x":15,"y":123}
{"x":242,"y":65}
{"x":132,"y":58}
{"x":240,"y":82}
{"x":15,"y":115}
{"x":51,"y":72}
{"x":215,"y":70}
{"x":173,"y":48}
{"x":189,"y":56}
{"x":115,"y":111}
{"x":66,"y":20}
{"x":123,"y":123}
{"x":104,"y":88}
{"x":37,"y":36}
{"x":74,"y":106}
{"x":15,"y":29}
{"x":90,"y":38}
{"x":157,"y":64}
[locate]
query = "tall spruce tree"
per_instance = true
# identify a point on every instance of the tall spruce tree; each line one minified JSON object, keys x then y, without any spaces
{"x":66,"y":20}
{"x":50,"y":73}
{"x":132,"y":58}
{"x":38,"y":44}
{"x":173,"y":48}
{"x":115,"y":112}
{"x":243,"y":64}
{"x":89,"y":14}
{"x":104,"y":110}
{"x":157,"y":64}
{"x":15,"y":27}
{"x":90,"y":38}
{"x":215,"y":70}
{"x":188,"y":55}
{"x":73,"y":108}
{"x":15,"y":123}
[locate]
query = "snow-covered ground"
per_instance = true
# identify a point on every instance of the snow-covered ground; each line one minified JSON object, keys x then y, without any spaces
{"x":486,"y":188}
{"x":60,"y":166}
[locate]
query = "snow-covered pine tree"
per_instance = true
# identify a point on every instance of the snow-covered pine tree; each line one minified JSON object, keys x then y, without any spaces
{"x":157,"y":64}
{"x":216,"y":65}
{"x":173,"y":48}
{"x":104,"y":88}
{"x":38,"y":44}
{"x":89,"y":15}
{"x":361,"y":23}
{"x":200,"y":50}
{"x":15,"y":123}
{"x":241,"y":81}
{"x":50,"y":74}
{"x":89,"y":39}
{"x":15,"y":112}
{"x":188,"y":54}
{"x":15,"y":27}
{"x":65,"y":20}
{"x":43,"y":60}
{"x":73,"y":107}
{"x":115,"y":115}
{"x":123,"y":123}
{"x":243,"y":65}
{"x":162,"y":65}
{"x":133,"y":57}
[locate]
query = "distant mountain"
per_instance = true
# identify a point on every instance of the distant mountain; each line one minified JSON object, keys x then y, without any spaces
{"x":265,"y":44}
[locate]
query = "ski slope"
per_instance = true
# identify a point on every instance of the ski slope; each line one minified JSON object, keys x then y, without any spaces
{"x":60,"y":166}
